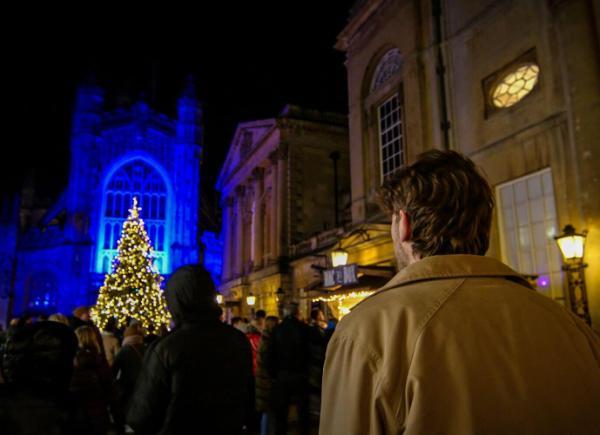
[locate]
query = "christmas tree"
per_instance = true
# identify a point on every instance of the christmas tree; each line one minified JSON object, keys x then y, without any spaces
{"x":132,"y":288}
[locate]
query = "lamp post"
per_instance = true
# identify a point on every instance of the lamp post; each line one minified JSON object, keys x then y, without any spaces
{"x":572,"y":245}
{"x":250,"y":299}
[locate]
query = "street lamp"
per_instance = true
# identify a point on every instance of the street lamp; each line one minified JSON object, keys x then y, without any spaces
{"x":219,"y":299}
{"x":250,"y":299}
{"x":572,"y":247}
{"x":339,"y":257}
{"x":279,"y":295}
{"x":571,"y":244}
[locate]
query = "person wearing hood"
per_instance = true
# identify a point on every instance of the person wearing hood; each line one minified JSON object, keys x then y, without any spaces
{"x":37,"y":365}
{"x":198,"y":377}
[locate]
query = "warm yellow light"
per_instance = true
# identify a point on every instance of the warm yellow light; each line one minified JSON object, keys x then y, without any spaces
{"x":571,"y":244}
{"x":219,"y":299}
{"x":345,"y":302}
{"x":251,"y":299}
{"x":515,"y":85}
{"x":339,"y":257}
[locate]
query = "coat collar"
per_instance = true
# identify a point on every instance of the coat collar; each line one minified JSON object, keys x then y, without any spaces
{"x":453,"y":266}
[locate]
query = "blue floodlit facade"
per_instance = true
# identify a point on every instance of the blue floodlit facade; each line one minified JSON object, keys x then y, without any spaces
{"x":115,"y":156}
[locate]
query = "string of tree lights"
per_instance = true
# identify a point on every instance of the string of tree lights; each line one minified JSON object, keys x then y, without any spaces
{"x":132,"y":289}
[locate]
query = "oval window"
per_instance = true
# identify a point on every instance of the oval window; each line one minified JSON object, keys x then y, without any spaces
{"x":515,"y":85}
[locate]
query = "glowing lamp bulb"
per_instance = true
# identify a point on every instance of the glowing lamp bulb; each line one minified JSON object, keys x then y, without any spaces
{"x":571,"y":244}
{"x":219,"y":299}
{"x":250,"y":299}
{"x":339,"y":257}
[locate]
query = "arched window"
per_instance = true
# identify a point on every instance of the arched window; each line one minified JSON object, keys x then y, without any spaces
{"x":140,"y":179}
{"x":43,"y":291}
{"x":389,"y":111}
{"x":389,"y":65}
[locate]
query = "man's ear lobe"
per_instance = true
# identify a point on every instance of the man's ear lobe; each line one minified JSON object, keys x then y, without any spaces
{"x":404,"y":226}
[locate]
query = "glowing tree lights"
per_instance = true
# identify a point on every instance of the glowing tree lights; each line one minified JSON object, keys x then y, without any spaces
{"x":132,"y":288}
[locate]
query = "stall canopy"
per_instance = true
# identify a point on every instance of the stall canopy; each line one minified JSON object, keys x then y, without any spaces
{"x":341,"y":298}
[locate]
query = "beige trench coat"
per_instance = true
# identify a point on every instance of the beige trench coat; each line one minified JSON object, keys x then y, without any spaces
{"x":460,"y":344}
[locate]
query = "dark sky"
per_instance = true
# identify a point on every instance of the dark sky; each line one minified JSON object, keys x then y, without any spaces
{"x":249,"y":59}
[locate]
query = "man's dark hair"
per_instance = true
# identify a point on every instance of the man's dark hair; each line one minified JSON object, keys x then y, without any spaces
{"x":235,"y":320}
{"x":260,"y":314}
{"x":447,"y":200}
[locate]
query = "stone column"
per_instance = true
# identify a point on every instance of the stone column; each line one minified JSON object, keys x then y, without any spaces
{"x":228,"y":248}
{"x":273,"y":207}
{"x":238,"y":251}
{"x":257,"y":218}
{"x":282,"y":203}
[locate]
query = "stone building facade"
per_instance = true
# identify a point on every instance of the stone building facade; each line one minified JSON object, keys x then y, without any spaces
{"x":277,"y":188}
{"x":514,"y":85}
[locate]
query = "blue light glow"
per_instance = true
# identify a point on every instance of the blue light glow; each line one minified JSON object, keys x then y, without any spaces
{"x":61,"y":260}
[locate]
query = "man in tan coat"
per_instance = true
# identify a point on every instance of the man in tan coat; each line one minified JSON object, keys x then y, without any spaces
{"x":456,"y":343}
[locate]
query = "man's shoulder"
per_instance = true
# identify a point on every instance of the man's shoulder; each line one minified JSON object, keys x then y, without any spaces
{"x":404,"y":309}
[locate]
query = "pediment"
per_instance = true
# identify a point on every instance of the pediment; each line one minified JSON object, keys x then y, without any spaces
{"x":248,"y":136}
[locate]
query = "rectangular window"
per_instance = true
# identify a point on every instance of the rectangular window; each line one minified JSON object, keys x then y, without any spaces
{"x":528,"y":224}
{"x":391,"y":139}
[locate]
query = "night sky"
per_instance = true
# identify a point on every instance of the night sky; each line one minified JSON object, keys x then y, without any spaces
{"x":249,"y":59}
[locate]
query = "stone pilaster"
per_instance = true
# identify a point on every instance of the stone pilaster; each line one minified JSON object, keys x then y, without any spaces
{"x":257,"y":218}
{"x":227,"y":243}
{"x":238,"y":251}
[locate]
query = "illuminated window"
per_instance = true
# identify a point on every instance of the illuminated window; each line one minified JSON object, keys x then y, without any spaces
{"x":515,"y":85}
{"x":512,"y":83}
{"x":136,"y":178}
{"x":527,"y":216}
{"x":391,"y":140}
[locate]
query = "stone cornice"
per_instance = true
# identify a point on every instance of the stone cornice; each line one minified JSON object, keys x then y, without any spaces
{"x":356,"y":22}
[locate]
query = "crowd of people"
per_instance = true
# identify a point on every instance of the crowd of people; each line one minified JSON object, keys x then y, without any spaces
{"x":456,"y":343}
{"x":63,"y":375}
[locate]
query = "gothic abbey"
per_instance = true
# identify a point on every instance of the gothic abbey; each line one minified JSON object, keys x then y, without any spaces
{"x":60,"y":262}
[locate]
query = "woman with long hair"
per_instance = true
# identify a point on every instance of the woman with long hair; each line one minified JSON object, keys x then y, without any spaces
{"x":92,"y":382}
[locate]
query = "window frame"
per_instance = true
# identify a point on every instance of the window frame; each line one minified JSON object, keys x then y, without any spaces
{"x":555,"y":290}
{"x":489,"y":83}
{"x":380,"y":133}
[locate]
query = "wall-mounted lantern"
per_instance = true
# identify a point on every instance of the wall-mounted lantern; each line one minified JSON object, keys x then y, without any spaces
{"x":572,"y":247}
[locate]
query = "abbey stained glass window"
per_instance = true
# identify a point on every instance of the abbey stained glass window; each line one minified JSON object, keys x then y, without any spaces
{"x":136,"y":178}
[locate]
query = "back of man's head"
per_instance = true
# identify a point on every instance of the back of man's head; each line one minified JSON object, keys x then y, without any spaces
{"x":448,"y":202}
{"x":191,"y":294}
{"x":291,"y":309}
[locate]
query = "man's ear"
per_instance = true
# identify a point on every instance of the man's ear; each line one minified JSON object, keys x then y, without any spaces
{"x":404,"y":229}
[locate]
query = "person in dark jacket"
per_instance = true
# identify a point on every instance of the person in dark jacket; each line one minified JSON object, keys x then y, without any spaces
{"x":288,"y":359}
{"x":126,"y":369}
{"x":37,"y":364}
{"x":263,"y":380}
{"x":196,"y":379}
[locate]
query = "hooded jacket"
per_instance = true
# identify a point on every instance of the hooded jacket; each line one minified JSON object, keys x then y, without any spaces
{"x":199,"y":375}
{"x":460,"y":344}
{"x":37,"y":364}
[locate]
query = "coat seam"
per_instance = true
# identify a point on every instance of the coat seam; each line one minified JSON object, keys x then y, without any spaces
{"x":430,"y":314}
